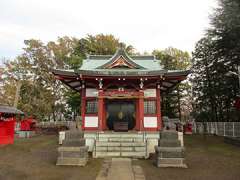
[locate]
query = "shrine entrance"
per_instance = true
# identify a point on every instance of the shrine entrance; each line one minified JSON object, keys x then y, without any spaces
{"x":120,"y":115}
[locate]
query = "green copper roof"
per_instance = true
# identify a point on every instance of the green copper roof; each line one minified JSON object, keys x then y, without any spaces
{"x":120,"y":65}
{"x":90,"y":64}
{"x":139,"y":62}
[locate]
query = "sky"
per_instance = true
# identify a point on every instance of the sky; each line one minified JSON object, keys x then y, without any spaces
{"x":145,"y":24}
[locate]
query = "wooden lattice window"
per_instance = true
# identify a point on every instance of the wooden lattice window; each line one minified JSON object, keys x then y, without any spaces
{"x":91,"y":106}
{"x":150,"y":107}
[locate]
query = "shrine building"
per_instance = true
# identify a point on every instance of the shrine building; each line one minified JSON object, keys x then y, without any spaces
{"x":121,"y":92}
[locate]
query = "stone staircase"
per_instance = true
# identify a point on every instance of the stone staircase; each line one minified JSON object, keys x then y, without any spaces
{"x":120,"y":144}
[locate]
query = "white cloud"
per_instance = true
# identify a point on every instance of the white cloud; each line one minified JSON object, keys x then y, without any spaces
{"x":146,"y":24}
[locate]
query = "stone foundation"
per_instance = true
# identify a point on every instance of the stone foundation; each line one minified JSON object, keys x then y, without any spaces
{"x":169,"y":152}
{"x":73,"y":150}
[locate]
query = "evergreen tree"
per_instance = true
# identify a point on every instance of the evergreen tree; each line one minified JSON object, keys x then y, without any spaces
{"x":216,"y":55}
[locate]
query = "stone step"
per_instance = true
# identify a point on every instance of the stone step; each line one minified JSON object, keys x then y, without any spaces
{"x":121,"y":149}
{"x":122,"y":139}
{"x":125,"y":139}
{"x":120,"y":154}
{"x":119,"y":144}
{"x":120,"y":135}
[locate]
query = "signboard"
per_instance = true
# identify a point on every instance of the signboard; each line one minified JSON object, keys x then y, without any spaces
{"x":90,"y":92}
{"x":150,"y":93}
{"x":121,"y":93}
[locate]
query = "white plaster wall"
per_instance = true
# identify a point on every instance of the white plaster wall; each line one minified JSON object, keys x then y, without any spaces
{"x":61,"y":137}
{"x":150,"y":122}
{"x":91,"y":92}
{"x":91,"y":121}
{"x":150,"y":93}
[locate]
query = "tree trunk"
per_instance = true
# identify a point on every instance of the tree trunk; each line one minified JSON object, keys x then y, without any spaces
{"x":18,"y":88}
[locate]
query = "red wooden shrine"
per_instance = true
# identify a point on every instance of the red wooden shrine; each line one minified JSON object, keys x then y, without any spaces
{"x":121,"y":89}
{"x":27,"y":124}
{"x":7,"y":124}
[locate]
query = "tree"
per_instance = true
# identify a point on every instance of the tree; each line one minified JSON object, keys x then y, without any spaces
{"x":100,"y":44}
{"x":40,"y":94}
{"x":217,"y":53}
{"x":174,"y":59}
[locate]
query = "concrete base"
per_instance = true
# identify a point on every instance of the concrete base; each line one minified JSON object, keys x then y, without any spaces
{"x":73,"y":151}
{"x":71,"y":161}
{"x":25,"y":134}
{"x":171,"y":162}
{"x":170,"y":152}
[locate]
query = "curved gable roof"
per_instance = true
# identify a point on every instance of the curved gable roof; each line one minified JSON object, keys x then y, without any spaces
{"x":141,"y":63}
{"x":120,"y":58}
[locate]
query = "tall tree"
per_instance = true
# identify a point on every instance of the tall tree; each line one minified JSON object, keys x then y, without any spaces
{"x":174,"y":59}
{"x":216,"y":55}
{"x":40,"y":94}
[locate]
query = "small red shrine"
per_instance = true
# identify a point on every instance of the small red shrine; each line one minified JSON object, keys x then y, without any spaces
{"x":7,"y":124}
{"x":121,"y":92}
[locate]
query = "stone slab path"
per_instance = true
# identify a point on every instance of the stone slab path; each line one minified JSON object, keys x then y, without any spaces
{"x":120,"y":169}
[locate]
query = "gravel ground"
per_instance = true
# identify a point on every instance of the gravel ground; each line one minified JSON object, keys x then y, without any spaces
{"x":208,"y":158}
{"x":35,"y":159}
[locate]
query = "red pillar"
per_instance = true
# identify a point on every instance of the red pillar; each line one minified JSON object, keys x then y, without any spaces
{"x":141,"y":110}
{"x":159,"y":114}
{"x":83,"y":106}
{"x":104,"y":121}
{"x":137,"y":127}
{"x":100,"y":110}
